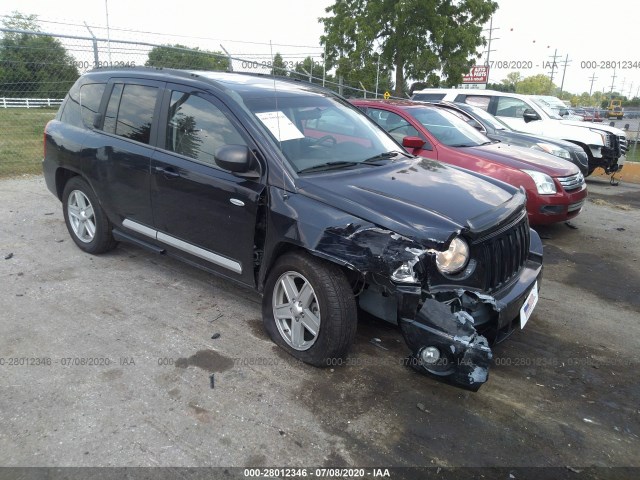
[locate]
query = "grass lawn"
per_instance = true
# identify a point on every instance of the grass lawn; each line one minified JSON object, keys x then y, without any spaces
{"x":633,"y":154}
{"x":21,"y":137}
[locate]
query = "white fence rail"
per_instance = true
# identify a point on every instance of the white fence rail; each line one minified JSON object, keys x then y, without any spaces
{"x":6,"y":102}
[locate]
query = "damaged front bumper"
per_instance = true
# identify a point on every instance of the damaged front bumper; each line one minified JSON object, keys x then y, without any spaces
{"x":451,"y":333}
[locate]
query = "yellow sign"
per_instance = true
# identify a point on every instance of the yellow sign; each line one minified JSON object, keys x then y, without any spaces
{"x":386,"y":95}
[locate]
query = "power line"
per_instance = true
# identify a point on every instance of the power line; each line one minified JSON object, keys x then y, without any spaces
{"x":164,"y":34}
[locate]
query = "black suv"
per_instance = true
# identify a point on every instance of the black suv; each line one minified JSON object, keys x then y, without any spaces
{"x":289,"y":189}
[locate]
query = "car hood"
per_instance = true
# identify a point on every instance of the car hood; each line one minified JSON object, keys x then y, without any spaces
{"x":523,"y":158}
{"x":531,"y":139}
{"x":418,"y":198}
{"x":599,"y":126}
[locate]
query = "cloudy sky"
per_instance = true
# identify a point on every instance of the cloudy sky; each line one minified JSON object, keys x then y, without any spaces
{"x":528,"y":33}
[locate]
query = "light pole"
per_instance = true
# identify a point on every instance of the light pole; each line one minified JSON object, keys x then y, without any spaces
{"x":106,"y":7}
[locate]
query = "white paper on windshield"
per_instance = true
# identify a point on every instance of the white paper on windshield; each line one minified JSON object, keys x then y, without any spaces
{"x":280,"y":125}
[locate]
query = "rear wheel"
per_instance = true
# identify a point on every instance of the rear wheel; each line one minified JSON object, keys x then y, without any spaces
{"x":309,"y":309}
{"x":88,"y":225}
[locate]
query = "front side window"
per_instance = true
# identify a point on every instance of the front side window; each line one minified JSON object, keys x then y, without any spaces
{"x":393,"y":123}
{"x":196,"y":128}
{"x":511,"y":107}
{"x":130,"y":111}
{"x":448,"y":128}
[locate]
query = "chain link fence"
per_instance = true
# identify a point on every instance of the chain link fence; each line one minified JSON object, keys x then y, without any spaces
{"x":37,"y":69}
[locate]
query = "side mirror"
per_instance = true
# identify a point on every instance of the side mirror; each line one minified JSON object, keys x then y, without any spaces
{"x":236,"y":159}
{"x":413,"y":142}
{"x":530,"y":115}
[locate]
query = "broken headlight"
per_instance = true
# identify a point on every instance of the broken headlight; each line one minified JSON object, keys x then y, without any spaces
{"x":455,"y":258}
{"x":405,"y":273}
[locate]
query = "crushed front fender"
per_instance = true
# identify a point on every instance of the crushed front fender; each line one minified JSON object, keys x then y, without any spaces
{"x":464,"y":355}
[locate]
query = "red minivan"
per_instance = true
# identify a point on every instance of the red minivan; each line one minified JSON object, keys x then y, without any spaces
{"x":555,"y":188}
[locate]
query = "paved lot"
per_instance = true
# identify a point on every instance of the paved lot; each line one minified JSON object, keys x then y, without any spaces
{"x":564,"y":392}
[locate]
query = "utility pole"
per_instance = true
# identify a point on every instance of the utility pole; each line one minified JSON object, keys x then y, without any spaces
{"x":106,"y":7}
{"x":566,"y":61}
{"x":96,"y":59}
{"x":377,"y":74}
{"x":230,"y":66}
{"x":489,"y":50}
{"x":593,"y":79}
{"x":553,"y":67}
{"x":613,"y":81}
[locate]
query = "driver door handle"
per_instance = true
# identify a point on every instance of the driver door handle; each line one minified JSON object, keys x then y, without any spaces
{"x":168,"y":172}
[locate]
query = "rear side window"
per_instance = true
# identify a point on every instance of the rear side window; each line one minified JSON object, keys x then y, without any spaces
{"x":82,"y":104}
{"x":428,"y":97}
{"x":196,"y":128}
{"x":130,"y":111}
{"x":478,"y":101}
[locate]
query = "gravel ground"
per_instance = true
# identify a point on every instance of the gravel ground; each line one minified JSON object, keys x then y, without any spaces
{"x":564,"y":392}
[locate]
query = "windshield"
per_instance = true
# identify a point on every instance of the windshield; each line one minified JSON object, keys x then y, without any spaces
{"x":314,"y":130}
{"x":447,"y":128}
{"x":486,"y":117}
{"x":550,"y":107}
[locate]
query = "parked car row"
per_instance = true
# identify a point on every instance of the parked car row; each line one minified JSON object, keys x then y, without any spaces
{"x":555,"y":188}
{"x":541,"y":115}
{"x":289,"y":189}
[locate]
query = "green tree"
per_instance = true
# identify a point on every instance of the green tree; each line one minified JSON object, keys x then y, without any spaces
{"x":179,"y":56}
{"x":33,"y":65}
{"x":359,"y":73}
{"x":279,"y":67}
{"x":415,"y":37}
{"x":536,"y":85}
{"x":501,"y":87}
{"x":511,"y":81}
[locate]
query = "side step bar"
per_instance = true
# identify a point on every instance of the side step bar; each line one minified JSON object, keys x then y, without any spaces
{"x":121,"y":236}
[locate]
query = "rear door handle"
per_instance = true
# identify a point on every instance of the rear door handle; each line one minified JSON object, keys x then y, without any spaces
{"x":168,"y":172}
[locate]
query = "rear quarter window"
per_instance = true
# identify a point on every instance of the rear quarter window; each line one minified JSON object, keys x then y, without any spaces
{"x":82,"y":104}
{"x":428,"y":97}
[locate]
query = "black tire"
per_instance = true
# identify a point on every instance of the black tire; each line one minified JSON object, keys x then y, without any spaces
{"x":337,"y":308}
{"x":102,"y":240}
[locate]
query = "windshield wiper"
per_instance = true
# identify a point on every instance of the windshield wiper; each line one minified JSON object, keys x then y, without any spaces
{"x":385,"y":156}
{"x":328,"y":166}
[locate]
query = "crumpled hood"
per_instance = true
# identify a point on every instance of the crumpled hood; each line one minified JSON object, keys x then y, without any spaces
{"x":524,"y":158}
{"x":418,"y":198}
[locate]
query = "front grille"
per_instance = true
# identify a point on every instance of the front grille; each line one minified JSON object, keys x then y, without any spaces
{"x":505,"y":253}
{"x":572,"y":182}
{"x":617,"y":143}
{"x":622,"y":140}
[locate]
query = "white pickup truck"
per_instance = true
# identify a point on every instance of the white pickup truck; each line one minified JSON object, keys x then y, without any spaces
{"x":541,"y":115}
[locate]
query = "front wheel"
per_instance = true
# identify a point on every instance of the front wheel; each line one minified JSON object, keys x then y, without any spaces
{"x":88,"y":225}
{"x":309,"y":309}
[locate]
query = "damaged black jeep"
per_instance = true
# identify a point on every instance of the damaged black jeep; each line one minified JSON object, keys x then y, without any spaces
{"x":289,"y":189}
